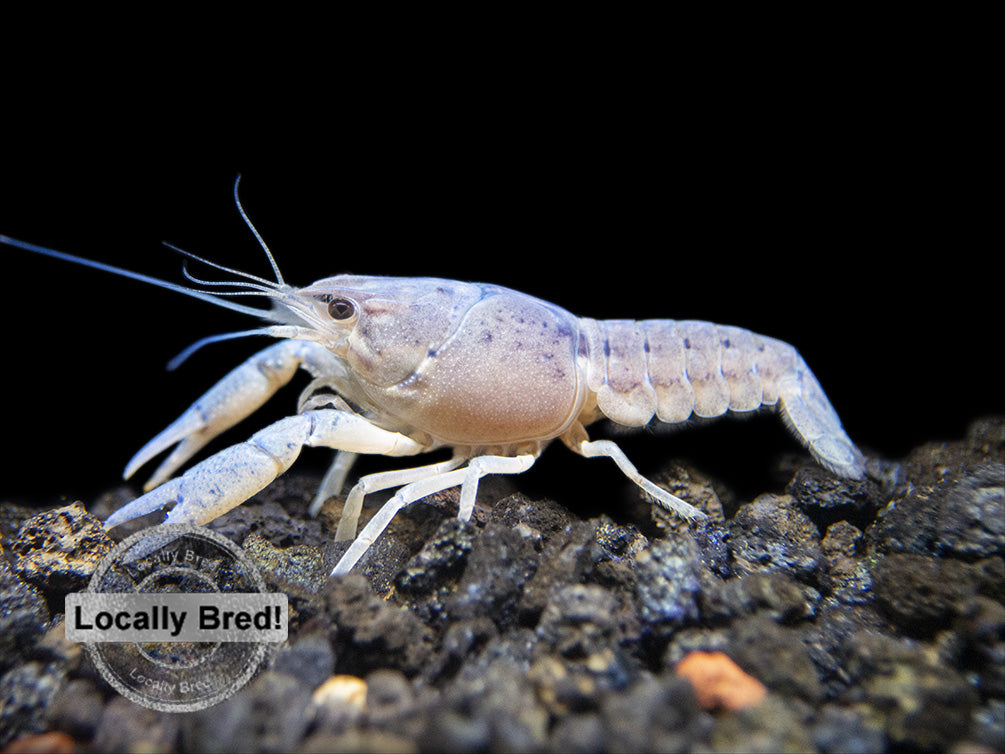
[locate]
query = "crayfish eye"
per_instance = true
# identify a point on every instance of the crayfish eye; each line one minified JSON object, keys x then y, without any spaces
{"x":341,"y":308}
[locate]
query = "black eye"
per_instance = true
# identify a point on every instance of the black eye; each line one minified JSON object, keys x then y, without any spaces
{"x":341,"y":308}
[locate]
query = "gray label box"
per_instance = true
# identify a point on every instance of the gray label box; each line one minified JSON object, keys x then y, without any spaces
{"x":176,"y":617}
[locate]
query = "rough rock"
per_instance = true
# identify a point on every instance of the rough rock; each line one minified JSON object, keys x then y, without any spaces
{"x":370,"y":633}
{"x":923,"y":594}
{"x":772,"y":534}
{"x":872,"y":611}
{"x":961,"y":518}
{"x":58,"y":550}
{"x":23,"y":617}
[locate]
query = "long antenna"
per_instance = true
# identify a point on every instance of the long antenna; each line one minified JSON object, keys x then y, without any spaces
{"x":261,"y":241}
{"x":225,"y":303}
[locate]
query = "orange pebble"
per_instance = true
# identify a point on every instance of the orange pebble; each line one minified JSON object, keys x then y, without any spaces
{"x":718,"y":681}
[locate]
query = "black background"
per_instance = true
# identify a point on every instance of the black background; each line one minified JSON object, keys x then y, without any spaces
{"x":847,"y":219}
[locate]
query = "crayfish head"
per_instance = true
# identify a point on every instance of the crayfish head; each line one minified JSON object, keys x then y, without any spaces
{"x":385,"y":327}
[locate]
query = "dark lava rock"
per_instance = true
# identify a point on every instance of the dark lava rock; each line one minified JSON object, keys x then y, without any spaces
{"x":772,"y":726}
{"x":370,"y":633}
{"x":460,"y":642}
{"x":577,"y":732}
{"x":971,"y":518}
{"x":12,"y":518}
{"x":546,"y":516}
{"x":516,"y":649}
{"x":445,"y":584}
{"x":977,"y":646}
{"x":919,"y":704}
{"x":579,"y":621}
{"x":308,"y":657}
{"x":496,"y":709}
{"x":300,"y":567}
{"x":667,"y":583}
{"x":850,"y":579}
{"x":826,"y":497}
{"x":530,"y":628}
{"x":774,"y":594}
{"x":389,"y":697}
{"x":271,"y":519}
{"x":384,"y":560}
{"x":655,"y":714}
{"x":398,"y":707}
{"x":58,"y":550}
{"x":988,"y":728}
{"x":619,"y":541}
{"x":567,"y":558}
{"x":694,"y":639}
{"x":55,"y":649}
{"x":26,"y":693}
{"x":923,"y":594}
{"x":828,"y":637}
{"x":611,"y":556}
{"x":565,"y":686}
{"x":962,"y":518}
{"x":713,"y":541}
{"x":841,"y":540}
{"x":271,"y":714}
{"x":935,"y":462}
{"x":301,"y":571}
{"x":841,"y":730}
{"x":494,"y":576}
{"x":688,"y":483}
{"x":439,"y":565}
{"x":776,"y":656}
{"x":771,"y":534}
{"x":76,"y":709}
{"x":28,"y":690}
{"x":23,"y":617}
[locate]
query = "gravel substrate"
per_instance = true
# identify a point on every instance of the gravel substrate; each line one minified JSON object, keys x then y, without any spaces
{"x":871,"y":613}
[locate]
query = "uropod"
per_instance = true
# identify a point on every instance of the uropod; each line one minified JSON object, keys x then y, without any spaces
{"x":404,"y":366}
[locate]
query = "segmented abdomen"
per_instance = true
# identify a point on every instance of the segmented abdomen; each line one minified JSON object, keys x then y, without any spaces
{"x":672,"y":370}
